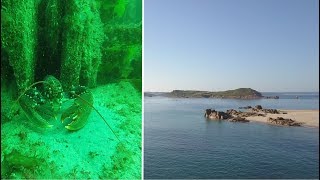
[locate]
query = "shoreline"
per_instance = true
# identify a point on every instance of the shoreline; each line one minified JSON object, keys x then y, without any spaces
{"x":309,"y":118}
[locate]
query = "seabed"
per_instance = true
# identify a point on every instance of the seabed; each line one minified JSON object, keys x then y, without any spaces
{"x":91,"y":152}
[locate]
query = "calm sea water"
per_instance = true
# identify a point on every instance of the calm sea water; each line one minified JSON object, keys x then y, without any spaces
{"x":180,"y":143}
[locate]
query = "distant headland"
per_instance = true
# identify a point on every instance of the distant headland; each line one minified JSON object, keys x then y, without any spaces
{"x":240,"y":93}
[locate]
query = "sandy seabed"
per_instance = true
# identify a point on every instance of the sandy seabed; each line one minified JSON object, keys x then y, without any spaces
{"x":93,"y":152}
{"x":309,"y":118}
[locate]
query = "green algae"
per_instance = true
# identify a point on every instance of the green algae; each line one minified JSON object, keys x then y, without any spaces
{"x":19,"y":38}
{"x":16,"y":159}
{"x":70,"y":40}
{"x":83,"y":40}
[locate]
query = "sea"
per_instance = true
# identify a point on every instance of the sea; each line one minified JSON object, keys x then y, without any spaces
{"x":179,"y":143}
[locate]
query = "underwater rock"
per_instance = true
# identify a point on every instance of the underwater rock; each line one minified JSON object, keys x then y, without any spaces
{"x":50,"y":28}
{"x":83,"y":37}
{"x":20,"y":166}
{"x":65,"y":39}
{"x":17,"y":159}
{"x":18,"y":38}
{"x":122,"y":53}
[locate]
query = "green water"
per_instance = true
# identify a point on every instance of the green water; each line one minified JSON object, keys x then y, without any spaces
{"x":93,"y":44}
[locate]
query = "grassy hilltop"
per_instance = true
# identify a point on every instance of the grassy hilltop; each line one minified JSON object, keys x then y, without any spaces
{"x":240,"y":93}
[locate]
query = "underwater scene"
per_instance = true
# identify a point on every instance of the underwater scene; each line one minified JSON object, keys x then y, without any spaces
{"x":71,"y":89}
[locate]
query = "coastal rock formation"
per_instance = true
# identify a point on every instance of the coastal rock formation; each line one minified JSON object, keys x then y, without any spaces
{"x":283,"y":121}
{"x":213,"y":114}
{"x":271,"y":111}
{"x":229,"y":114}
{"x":259,"y":108}
{"x":245,"y":107}
{"x":238,"y":116}
{"x":148,"y":94}
{"x":235,"y":113}
{"x":239,"y":119}
{"x":271,"y":97}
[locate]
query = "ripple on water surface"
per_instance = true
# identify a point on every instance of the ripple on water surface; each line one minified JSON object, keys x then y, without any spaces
{"x":180,"y":143}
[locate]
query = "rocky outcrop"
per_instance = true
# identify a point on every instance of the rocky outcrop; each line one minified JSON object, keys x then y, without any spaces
{"x":283,"y":121}
{"x":271,"y":111}
{"x":213,"y":114}
{"x":271,"y":97}
{"x":245,"y":107}
{"x":239,"y":119}
{"x":148,"y":94}
{"x":235,"y":113}
{"x":258,"y":108}
{"x":231,"y":114}
{"x":238,"y":116}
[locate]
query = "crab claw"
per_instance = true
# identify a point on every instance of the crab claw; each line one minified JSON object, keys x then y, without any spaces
{"x":79,"y":112}
{"x":28,"y":106}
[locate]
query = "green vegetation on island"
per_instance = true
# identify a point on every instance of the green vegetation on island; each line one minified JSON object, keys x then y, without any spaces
{"x":240,"y":93}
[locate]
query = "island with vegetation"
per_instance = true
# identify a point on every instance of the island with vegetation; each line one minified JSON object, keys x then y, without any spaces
{"x":240,"y":93}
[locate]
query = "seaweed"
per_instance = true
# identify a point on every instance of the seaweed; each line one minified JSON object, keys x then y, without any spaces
{"x":18,"y":38}
{"x":93,"y":154}
{"x":16,"y":162}
{"x":22,"y":135}
{"x":82,"y":41}
{"x":120,"y":8}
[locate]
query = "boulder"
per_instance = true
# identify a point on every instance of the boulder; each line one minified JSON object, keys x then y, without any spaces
{"x":207,"y":113}
{"x":271,"y":97}
{"x":213,"y":114}
{"x":245,"y":107}
{"x":239,"y":119}
{"x":233,"y":112}
{"x":272,"y":111}
{"x":284,"y":122}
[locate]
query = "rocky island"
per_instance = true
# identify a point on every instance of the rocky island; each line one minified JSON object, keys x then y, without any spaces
{"x":240,"y":93}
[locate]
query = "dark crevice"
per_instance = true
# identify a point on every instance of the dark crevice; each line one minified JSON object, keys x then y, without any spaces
{"x":48,"y":52}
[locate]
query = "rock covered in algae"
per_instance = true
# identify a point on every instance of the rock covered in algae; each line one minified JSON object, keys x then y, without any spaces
{"x":122,"y":53}
{"x":18,"y":38}
{"x":82,"y":41}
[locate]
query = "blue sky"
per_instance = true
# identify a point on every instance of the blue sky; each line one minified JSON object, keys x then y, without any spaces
{"x":267,"y":45}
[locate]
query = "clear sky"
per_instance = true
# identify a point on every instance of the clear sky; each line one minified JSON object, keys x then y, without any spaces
{"x":267,"y":45}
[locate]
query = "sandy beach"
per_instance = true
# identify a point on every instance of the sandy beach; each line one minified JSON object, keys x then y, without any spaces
{"x":309,"y":118}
